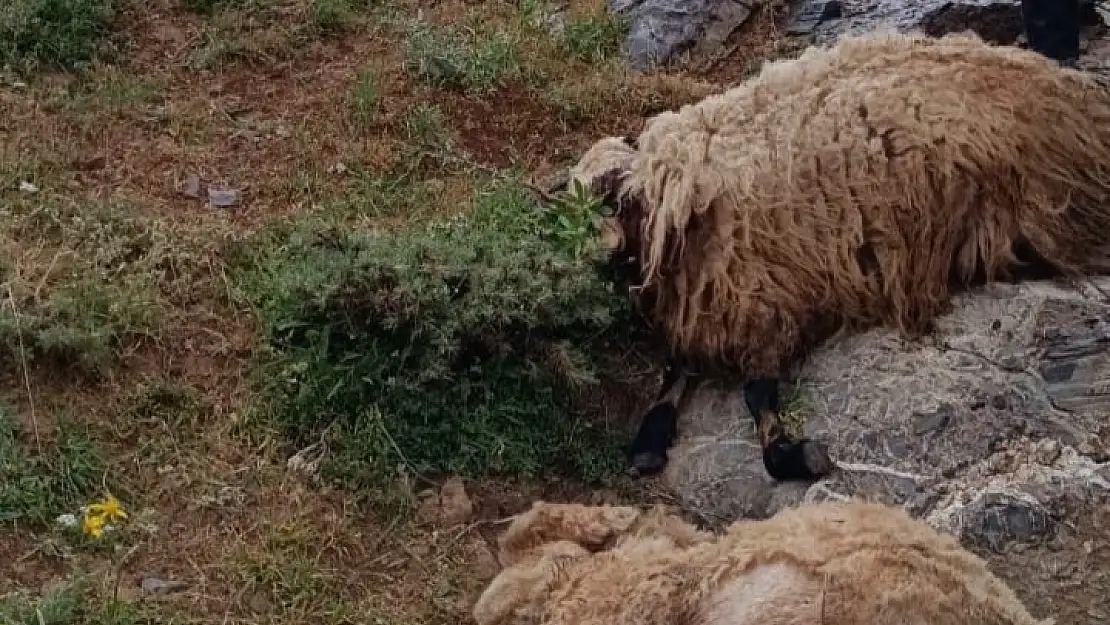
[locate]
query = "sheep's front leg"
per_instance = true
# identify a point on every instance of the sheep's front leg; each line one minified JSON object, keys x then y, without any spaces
{"x":659,"y":425}
{"x":784,"y":459}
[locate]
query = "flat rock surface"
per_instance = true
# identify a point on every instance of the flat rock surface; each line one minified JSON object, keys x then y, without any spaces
{"x":995,"y":428}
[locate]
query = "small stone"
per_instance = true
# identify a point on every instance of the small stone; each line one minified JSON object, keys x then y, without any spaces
{"x":66,"y":520}
{"x":933,"y":422}
{"x":223,"y":198}
{"x":997,"y":519}
{"x":92,"y":164}
{"x":455,"y":504}
{"x":153,"y":585}
{"x":450,"y":506}
{"x":191,"y":186}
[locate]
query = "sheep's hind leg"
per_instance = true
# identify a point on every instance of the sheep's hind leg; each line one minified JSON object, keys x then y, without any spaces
{"x":659,"y":425}
{"x":784,"y":459}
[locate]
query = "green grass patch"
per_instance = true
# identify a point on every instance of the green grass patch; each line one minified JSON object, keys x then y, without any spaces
{"x":469,"y":346}
{"x":473,"y":61}
{"x":595,"y":39}
{"x":53,"y":34}
{"x":366,"y":98}
{"x":72,"y":603}
{"x":37,"y":487}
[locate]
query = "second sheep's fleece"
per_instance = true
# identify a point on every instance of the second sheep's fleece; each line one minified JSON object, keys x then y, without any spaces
{"x":856,"y":185}
{"x":837,"y":563}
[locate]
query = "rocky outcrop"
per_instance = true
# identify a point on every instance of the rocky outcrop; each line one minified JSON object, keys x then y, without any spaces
{"x":996,"y":428}
{"x":659,"y":30}
{"x":998,"y":21}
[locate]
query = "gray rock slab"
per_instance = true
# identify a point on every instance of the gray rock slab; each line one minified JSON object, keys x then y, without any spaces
{"x":661,"y":29}
{"x":1008,"y":365}
{"x":997,"y":21}
{"x":996,"y":429}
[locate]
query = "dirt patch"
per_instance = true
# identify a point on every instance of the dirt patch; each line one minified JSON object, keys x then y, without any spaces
{"x":510,"y":127}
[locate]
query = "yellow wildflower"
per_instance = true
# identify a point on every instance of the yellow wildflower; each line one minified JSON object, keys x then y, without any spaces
{"x":99,"y":514}
{"x":93,"y":525}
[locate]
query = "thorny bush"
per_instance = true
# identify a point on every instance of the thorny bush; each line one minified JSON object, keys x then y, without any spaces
{"x":472,"y":346}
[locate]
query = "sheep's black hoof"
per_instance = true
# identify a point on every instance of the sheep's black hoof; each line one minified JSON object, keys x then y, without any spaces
{"x":801,"y":460}
{"x":647,"y":463}
{"x":658,"y":430}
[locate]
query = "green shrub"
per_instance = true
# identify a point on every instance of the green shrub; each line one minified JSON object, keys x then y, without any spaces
{"x":60,"y":34}
{"x":470,"y":346}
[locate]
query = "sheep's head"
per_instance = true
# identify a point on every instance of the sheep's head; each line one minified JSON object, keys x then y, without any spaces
{"x":602,"y":170}
{"x":542,"y":546}
{"x":537,"y":551}
{"x":518,"y":593}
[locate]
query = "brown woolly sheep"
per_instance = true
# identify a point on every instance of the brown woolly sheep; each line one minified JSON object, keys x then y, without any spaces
{"x":840,"y":563}
{"x":856,"y":185}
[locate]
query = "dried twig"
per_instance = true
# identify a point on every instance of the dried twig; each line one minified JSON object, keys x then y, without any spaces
{"x":26,"y":375}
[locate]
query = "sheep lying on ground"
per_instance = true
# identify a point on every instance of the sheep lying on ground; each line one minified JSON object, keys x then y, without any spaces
{"x":854,"y":186}
{"x":829,"y":564}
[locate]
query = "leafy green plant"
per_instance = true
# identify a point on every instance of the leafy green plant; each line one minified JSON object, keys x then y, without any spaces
{"x":576,"y":218}
{"x":469,"y":346}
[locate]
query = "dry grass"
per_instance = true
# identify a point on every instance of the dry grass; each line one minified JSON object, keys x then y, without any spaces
{"x":120,"y":317}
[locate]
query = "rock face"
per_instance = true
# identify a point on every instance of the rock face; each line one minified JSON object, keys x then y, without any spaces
{"x":997,"y":21}
{"x":661,"y":29}
{"x":995,"y":429}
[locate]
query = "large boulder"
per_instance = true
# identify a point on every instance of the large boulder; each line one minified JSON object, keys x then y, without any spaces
{"x":996,"y":429}
{"x":661,"y":29}
{"x":997,"y":21}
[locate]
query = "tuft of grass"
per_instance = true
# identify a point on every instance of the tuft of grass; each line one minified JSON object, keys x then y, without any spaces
{"x":444,"y":58}
{"x":366,"y":99}
{"x":69,"y":603}
{"x":53,"y":34}
{"x":36,"y":487}
{"x":109,"y":268}
{"x":60,"y":606}
{"x":468,"y":346}
{"x":595,"y":39}
{"x":795,"y":408}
